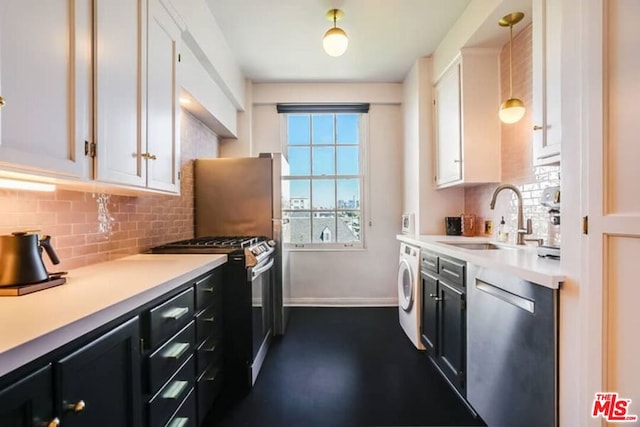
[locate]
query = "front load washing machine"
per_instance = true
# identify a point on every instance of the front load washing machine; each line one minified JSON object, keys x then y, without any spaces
{"x":409,"y":294}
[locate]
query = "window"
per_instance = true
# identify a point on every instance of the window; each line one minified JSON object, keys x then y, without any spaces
{"x":325,"y":181}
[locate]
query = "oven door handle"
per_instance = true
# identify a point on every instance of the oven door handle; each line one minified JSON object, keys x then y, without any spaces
{"x":255,"y":272}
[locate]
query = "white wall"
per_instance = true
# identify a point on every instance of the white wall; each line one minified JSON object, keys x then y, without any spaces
{"x":420,"y":197}
{"x":366,"y":277}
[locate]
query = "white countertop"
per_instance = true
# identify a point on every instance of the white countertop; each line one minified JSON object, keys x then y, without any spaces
{"x":520,"y":261}
{"x":34,"y":324}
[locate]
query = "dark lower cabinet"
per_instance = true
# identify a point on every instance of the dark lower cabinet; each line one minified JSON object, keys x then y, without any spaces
{"x":100,"y":383}
{"x":443,"y":317}
{"x":29,"y":402}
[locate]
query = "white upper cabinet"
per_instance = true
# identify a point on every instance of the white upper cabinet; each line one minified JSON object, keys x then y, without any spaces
{"x":467,"y":128}
{"x":119,"y":69}
{"x":45,"y":81}
{"x":136,"y":61}
{"x":163,"y":140}
{"x":547,"y":132}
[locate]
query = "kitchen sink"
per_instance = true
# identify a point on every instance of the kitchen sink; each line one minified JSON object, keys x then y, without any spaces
{"x":473,"y":245}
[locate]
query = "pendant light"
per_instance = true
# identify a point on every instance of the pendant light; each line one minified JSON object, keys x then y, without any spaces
{"x":513,"y":109}
{"x":335,"y":40}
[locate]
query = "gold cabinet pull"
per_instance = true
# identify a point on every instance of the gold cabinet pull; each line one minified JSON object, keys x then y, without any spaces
{"x":175,"y":390}
{"x":76,"y":408}
{"x":209,"y":290}
{"x":148,"y":156}
{"x":2,"y":102}
{"x":53,"y":423}
{"x":537,"y":127}
{"x":208,"y":319}
{"x":176,"y":351}
{"x":175,"y":313}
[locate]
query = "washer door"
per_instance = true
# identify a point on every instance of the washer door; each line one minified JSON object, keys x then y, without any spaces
{"x":405,"y":285}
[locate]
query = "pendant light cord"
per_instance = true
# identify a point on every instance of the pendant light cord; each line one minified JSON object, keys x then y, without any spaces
{"x":510,"y":61}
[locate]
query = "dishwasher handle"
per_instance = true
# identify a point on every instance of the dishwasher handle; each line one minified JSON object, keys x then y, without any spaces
{"x":508,"y":297}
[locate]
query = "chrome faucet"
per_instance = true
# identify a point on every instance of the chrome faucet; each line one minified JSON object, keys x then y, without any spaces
{"x":521,"y":230}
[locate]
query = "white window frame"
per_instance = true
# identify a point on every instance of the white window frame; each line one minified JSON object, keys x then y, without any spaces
{"x":363,"y":167}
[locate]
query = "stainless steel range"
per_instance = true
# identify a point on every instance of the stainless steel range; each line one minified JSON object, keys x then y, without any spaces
{"x":247,"y":300}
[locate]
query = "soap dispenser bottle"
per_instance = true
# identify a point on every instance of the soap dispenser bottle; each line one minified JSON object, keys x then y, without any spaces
{"x":502,"y":234}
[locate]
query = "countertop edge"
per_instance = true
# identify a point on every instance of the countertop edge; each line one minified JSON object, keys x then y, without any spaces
{"x":549,"y":280}
{"x":20,"y":355}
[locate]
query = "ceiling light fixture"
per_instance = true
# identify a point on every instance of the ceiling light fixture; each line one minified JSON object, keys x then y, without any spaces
{"x":335,"y":40}
{"x":513,"y":109}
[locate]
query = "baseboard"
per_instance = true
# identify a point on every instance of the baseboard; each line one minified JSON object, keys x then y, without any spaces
{"x":342,"y":302}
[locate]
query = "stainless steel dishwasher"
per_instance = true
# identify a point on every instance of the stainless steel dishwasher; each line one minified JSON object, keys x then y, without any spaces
{"x":512,"y":330}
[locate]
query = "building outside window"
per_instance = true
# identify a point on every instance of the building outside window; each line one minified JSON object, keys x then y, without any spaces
{"x":325,"y":183}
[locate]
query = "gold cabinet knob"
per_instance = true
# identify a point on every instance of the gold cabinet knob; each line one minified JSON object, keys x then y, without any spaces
{"x":2,"y":101}
{"x":53,"y":423}
{"x":75,"y":407}
{"x":149,"y":156}
{"x":536,"y":127}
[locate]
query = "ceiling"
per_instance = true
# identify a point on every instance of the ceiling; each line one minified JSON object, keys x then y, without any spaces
{"x":281,"y":40}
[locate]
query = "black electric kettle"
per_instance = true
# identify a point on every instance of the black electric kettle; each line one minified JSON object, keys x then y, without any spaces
{"x":21,"y":259}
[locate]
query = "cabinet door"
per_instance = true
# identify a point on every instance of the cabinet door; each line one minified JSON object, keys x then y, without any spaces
{"x":429,"y":327}
{"x":452,"y":334}
{"x":28,"y":402}
{"x":547,"y":132}
{"x":119,"y":67}
{"x":100,"y":383}
{"x":448,"y":132}
{"x":45,"y":81}
{"x":163,"y":141}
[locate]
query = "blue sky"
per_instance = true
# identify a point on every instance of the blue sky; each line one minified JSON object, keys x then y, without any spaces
{"x":303,"y":143}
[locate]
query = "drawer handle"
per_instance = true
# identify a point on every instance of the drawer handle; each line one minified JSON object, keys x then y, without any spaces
{"x":179,"y":422}
{"x":175,"y":313}
{"x":210,"y":349}
{"x":211,"y":378}
{"x":53,"y":423}
{"x":446,"y":270}
{"x":208,"y":319}
{"x":210,"y":290}
{"x":76,"y":408}
{"x":176,"y":351}
{"x":175,"y":389}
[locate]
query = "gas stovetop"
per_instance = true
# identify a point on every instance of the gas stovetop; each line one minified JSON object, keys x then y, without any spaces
{"x":258,"y":247}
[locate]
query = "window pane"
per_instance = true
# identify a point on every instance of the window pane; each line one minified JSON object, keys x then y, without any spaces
{"x":299,"y":228}
{"x":299,"y":161}
{"x":324,"y":227}
{"x":323,"y":194}
{"x":298,"y":129}
{"x":300,"y":195}
{"x":348,"y":226}
{"x":348,"y":129}
{"x":323,"y":128}
{"x":348,"y":194}
{"x":348,"y":160}
{"x":323,"y":161}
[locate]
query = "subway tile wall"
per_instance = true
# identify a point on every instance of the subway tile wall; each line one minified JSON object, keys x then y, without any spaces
{"x":517,"y":165}
{"x":88,"y":228}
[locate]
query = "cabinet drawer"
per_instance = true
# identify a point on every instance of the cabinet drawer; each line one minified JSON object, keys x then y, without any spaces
{"x":208,"y":290}
{"x":185,"y":416}
{"x":208,"y":387}
{"x":166,"y":401}
{"x":429,"y":261}
{"x":208,"y":353}
{"x":207,"y":324}
{"x":452,"y":270}
{"x":170,"y":316}
{"x":165,"y":360}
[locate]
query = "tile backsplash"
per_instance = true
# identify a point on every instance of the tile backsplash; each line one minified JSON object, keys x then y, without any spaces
{"x":87,"y":228}
{"x":517,"y":167}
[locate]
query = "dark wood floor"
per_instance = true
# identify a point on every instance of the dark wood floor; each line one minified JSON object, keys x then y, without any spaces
{"x":346,"y":367}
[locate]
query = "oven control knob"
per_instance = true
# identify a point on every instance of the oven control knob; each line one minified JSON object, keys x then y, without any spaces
{"x":272,"y":243}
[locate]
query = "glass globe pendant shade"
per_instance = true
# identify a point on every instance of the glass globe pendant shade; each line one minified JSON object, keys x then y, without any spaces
{"x":511,"y":110}
{"x":335,"y":41}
